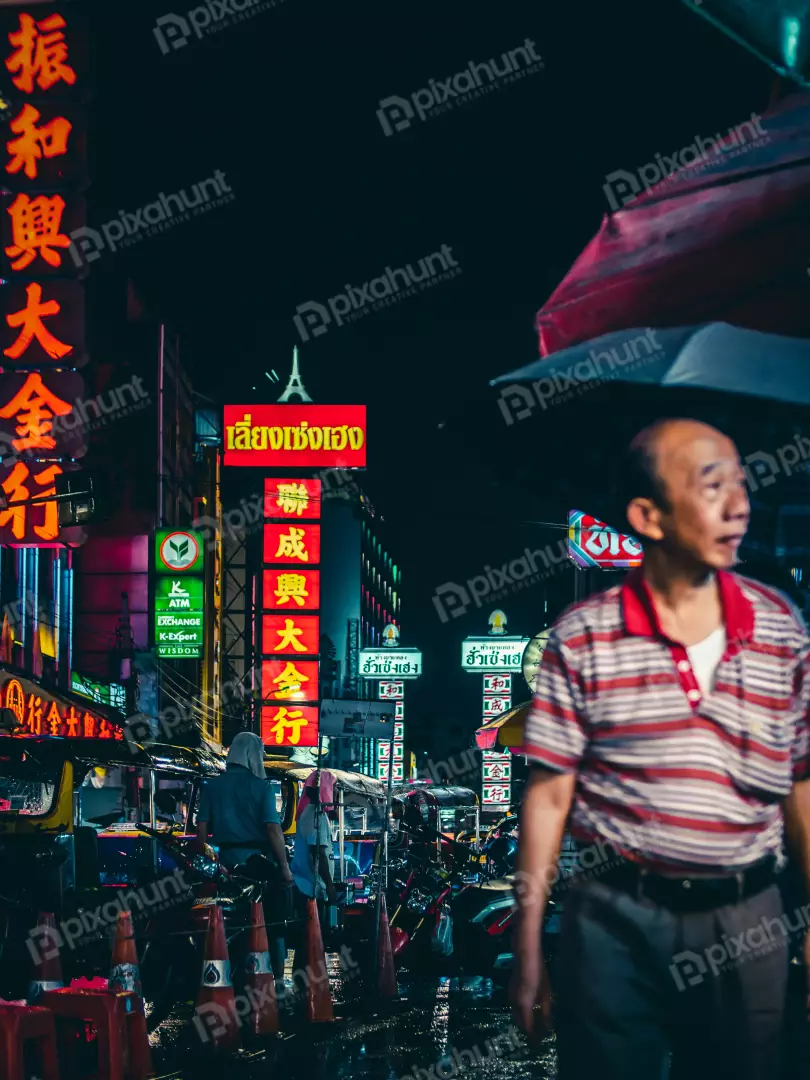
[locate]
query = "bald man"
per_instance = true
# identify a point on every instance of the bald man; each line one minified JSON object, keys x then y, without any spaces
{"x":669,"y":733}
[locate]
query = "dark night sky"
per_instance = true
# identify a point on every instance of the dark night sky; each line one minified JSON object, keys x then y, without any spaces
{"x":284,"y":104}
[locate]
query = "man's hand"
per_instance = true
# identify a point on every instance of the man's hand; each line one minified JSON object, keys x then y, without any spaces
{"x":530,"y":994}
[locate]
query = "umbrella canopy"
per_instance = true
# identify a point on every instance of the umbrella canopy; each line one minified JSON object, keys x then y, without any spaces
{"x":712,"y":357}
{"x":724,"y":237}
{"x":779,"y":34}
{"x":505,"y":730}
{"x":594,"y":397}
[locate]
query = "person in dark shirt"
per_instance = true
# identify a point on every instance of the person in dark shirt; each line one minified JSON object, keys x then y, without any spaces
{"x":239,"y":810}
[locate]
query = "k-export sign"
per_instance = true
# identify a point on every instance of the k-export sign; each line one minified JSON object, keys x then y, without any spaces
{"x":390,"y":663}
{"x":487,"y":654}
{"x":179,"y":618}
{"x":592,"y":543}
{"x":296,"y":436}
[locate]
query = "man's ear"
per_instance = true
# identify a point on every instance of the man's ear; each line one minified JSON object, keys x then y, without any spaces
{"x":644,"y":519}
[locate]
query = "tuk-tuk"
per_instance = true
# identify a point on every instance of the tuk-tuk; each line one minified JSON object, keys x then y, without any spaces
{"x":449,"y":811}
{"x":84,"y":797}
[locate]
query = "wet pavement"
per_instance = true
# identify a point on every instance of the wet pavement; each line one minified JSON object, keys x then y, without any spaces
{"x":439,"y":1028}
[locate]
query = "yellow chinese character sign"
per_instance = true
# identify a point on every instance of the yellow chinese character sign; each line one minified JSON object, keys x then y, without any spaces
{"x":289,"y":725}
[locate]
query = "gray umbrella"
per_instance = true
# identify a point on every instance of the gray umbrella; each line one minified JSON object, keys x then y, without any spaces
{"x":714,"y":357}
{"x":560,"y":423}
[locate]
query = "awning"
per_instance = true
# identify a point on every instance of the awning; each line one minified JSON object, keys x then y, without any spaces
{"x":353,"y":783}
{"x":504,"y":731}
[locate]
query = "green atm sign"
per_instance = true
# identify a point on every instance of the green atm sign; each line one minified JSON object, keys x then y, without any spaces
{"x":179,"y":594}
{"x":179,"y":617}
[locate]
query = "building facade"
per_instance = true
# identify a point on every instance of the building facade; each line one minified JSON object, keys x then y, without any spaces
{"x":361,"y":594}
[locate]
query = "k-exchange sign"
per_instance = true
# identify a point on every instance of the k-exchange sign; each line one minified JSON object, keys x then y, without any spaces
{"x":179,"y":617}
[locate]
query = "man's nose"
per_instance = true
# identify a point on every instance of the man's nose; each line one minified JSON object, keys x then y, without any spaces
{"x":738,"y":505}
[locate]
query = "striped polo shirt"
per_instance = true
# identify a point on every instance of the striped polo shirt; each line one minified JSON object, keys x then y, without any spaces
{"x":679,"y":781}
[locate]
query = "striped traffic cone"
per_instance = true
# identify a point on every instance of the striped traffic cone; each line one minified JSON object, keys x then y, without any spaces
{"x":319,"y":1008}
{"x":260,"y":985}
{"x":47,"y":965}
{"x":216,"y":1020}
{"x":386,"y":971}
{"x":124,"y":971}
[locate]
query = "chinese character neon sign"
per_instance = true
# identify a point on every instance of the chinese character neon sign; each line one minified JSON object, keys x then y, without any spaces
{"x":37,"y":714}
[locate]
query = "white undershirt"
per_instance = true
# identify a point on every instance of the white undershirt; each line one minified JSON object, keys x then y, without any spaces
{"x":705,"y":656}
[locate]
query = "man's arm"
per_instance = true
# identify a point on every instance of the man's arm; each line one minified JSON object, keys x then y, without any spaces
{"x":275,"y":835}
{"x":326,"y":874}
{"x":796,"y":808}
{"x":554,"y":741}
{"x":324,"y":840}
{"x":276,"y":838}
{"x":546,"y":805}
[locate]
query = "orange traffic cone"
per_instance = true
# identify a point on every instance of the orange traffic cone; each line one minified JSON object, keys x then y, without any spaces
{"x":124,"y":971}
{"x":45,"y":952}
{"x":319,"y":996}
{"x":386,"y":971}
{"x":216,"y":1020}
{"x":125,"y":975}
{"x":260,"y":985}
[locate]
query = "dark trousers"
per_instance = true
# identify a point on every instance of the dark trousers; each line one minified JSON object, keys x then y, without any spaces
{"x":636,"y":983}
{"x":277,"y":903}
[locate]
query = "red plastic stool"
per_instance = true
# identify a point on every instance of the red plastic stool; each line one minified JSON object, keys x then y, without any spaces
{"x":20,"y":1024}
{"x":123,"y":1045}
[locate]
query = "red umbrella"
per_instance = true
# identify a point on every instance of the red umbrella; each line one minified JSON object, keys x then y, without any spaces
{"x":725,"y":239}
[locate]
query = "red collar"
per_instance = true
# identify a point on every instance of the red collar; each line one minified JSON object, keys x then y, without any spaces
{"x":641,"y":618}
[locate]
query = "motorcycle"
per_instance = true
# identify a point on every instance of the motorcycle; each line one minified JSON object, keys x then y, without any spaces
{"x":459,"y":920}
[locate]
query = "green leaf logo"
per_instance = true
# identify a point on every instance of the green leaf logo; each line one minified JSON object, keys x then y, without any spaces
{"x":179,"y":552}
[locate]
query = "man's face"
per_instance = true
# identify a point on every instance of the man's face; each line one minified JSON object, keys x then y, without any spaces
{"x":707,"y":510}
